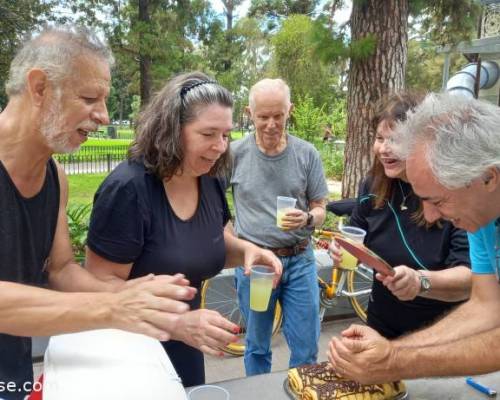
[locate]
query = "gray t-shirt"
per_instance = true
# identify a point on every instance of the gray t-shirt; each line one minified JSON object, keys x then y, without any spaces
{"x":257,"y":179}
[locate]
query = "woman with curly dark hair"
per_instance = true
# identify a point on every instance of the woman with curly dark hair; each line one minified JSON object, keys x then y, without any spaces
{"x":164,"y":211}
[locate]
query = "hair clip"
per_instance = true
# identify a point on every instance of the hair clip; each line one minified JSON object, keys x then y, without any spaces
{"x":186,"y":89}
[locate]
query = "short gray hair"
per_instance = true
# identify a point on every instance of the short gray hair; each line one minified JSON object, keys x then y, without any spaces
{"x":268,"y":84}
{"x":158,"y":140}
{"x":53,"y":51}
{"x":461,"y":135}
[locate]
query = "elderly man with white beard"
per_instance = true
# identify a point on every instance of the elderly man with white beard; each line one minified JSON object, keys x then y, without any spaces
{"x":58,"y":85}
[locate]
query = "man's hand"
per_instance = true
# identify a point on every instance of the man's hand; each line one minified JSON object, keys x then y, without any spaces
{"x":254,"y":255}
{"x":206,"y":330}
{"x":294,"y":219}
{"x":151,"y":306}
{"x":363,"y":355}
{"x":404,"y":284}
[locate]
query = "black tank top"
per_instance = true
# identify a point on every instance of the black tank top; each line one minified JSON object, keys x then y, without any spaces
{"x":27,"y":229}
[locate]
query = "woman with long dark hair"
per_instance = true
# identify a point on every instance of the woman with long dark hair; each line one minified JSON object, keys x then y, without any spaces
{"x":431,"y":261}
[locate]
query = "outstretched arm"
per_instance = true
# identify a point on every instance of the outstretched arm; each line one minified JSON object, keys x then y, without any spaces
{"x":463,"y":342}
{"x":452,"y":284}
{"x":150,"y":305}
{"x":480,"y":313}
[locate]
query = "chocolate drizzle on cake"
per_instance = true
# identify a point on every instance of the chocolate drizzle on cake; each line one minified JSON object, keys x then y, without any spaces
{"x":320,"y":382}
{"x":331,"y":390}
{"x":321,"y":371}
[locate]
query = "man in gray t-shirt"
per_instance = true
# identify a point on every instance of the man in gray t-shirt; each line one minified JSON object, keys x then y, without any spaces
{"x":268,"y":164}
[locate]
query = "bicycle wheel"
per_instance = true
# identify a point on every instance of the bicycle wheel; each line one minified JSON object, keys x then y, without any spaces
{"x":219,"y":294}
{"x":360,"y":279}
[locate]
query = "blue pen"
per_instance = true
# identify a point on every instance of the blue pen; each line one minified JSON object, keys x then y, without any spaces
{"x":481,"y":388}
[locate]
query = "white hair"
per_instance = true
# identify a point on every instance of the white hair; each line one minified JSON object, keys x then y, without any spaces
{"x":53,"y":51}
{"x":268,"y":84}
{"x":461,"y":136}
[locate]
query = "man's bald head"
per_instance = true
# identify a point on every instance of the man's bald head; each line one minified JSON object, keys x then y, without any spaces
{"x":269,"y":85}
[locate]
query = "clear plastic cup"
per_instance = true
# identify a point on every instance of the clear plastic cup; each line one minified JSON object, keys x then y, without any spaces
{"x":283,"y":206}
{"x":208,"y":392}
{"x":261,"y":285}
{"x":356,"y":234}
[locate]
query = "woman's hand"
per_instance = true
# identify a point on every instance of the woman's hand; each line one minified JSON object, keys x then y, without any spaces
{"x":254,"y":255}
{"x":404,"y":284}
{"x":334,"y":252}
{"x":206,"y":330}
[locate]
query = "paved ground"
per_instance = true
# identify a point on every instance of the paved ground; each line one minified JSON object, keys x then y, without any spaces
{"x":334,"y":186}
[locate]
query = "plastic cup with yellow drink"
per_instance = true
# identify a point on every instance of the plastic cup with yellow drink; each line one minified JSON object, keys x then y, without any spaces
{"x":283,"y":206}
{"x":356,"y":234}
{"x":261,"y":285}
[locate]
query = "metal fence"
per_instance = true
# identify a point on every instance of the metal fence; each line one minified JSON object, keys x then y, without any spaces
{"x":92,"y":159}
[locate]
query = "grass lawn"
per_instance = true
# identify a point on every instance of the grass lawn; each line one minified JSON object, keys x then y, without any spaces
{"x":106,"y":142}
{"x":235,"y":135}
{"x":82,"y":187}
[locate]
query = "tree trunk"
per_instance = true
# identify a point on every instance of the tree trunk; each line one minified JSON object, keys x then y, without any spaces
{"x":372,"y":78}
{"x":144,"y":55}
{"x":229,"y":9}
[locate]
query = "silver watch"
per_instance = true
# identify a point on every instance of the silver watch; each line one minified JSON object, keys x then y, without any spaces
{"x":425,"y":283}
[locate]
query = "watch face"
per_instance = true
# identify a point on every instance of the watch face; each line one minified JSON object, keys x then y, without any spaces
{"x":425,"y":283}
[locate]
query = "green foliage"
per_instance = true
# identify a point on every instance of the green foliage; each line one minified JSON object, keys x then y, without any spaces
{"x":363,"y":48}
{"x":446,"y":21}
{"x":424,"y":69}
{"x":18,"y":19}
{"x":120,"y":100}
{"x":78,"y":222}
{"x":136,"y":106}
{"x":294,"y":60}
{"x":237,"y":58}
{"x":338,"y":117}
{"x":307,"y":119}
{"x":328,"y":47}
{"x":332,"y":160}
{"x":275,"y":10}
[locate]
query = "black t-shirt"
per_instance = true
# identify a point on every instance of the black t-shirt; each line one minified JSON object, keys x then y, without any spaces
{"x":27,"y":227}
{"x":436,"y":247}
{"x":132,"y":222}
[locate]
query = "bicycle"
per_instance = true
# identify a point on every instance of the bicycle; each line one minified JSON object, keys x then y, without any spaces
{"x":219,"y":293}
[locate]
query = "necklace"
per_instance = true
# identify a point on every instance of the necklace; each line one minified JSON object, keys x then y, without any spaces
{"x":403,"y":206}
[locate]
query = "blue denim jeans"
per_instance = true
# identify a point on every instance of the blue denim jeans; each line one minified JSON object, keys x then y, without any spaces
{"x":299,"y":298}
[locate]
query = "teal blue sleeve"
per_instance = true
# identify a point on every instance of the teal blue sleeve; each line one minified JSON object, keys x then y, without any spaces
{"x":482,"y":249}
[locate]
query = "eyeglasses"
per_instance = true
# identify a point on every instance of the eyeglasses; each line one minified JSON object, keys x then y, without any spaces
{"x":497,"y":249}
